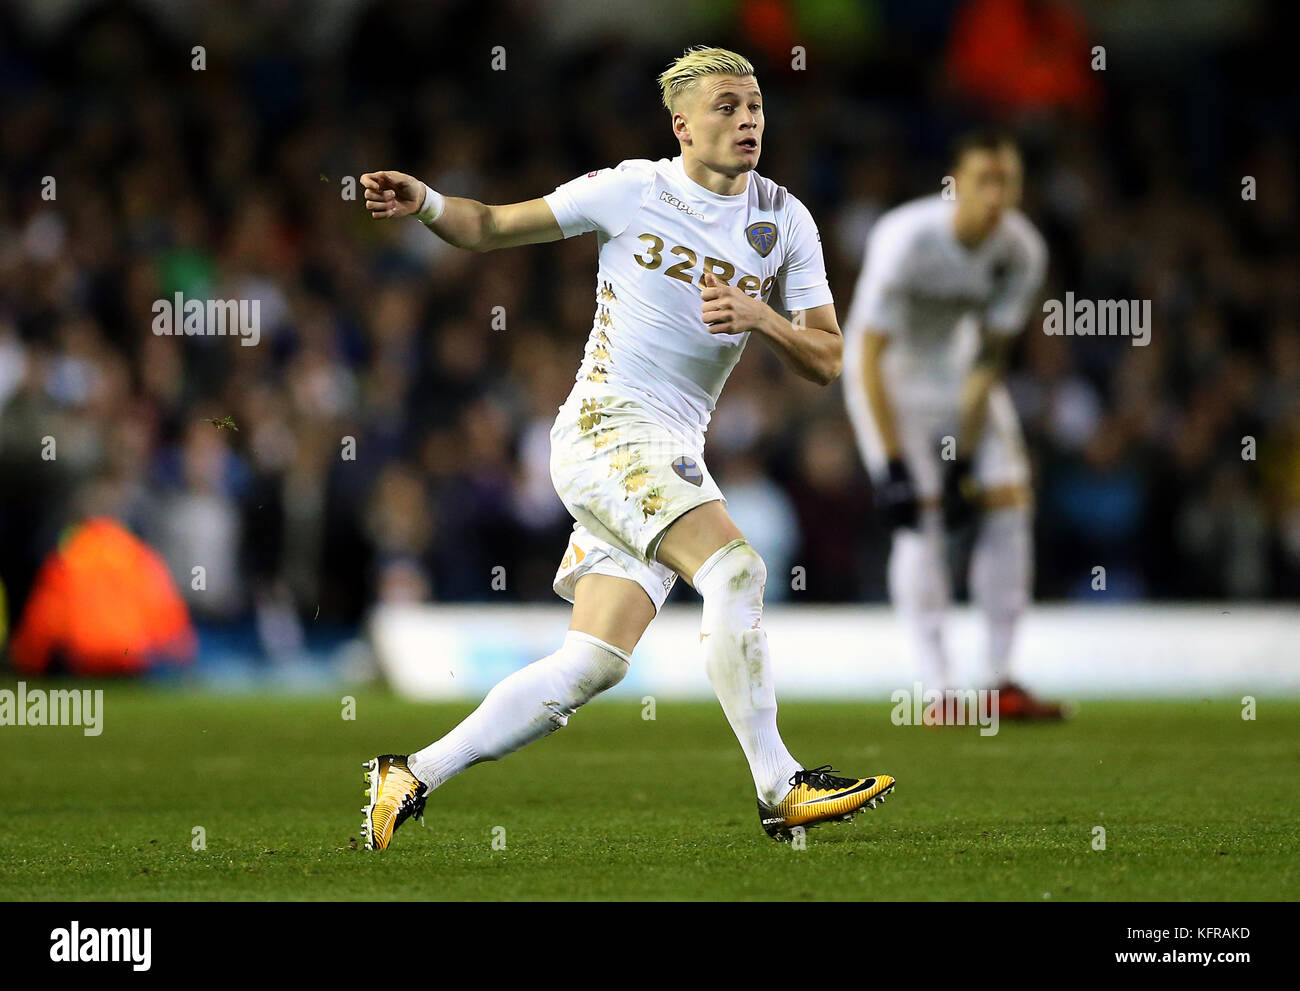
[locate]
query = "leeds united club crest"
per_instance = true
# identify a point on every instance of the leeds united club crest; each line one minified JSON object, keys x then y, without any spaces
{"x":762,"y":237}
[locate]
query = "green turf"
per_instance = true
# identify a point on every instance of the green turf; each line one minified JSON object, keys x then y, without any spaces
{"x":1196,"y":803}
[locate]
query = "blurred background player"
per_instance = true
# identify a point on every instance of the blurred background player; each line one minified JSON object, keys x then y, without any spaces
{"x":947,"y":283}
{"x":690,"y":250}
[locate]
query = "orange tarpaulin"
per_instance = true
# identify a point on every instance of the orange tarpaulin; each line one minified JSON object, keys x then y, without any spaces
{"x":103,"y":603}
{"x":1024,"y":55}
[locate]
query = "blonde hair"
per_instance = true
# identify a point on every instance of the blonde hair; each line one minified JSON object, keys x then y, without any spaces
{"x":696,"y":62}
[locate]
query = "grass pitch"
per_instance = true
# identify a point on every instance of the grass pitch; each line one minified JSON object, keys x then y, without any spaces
{"x":1196,"y":803}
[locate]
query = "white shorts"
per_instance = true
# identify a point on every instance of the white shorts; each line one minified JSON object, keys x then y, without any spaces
{"x":1000,"y":459}
{"x":624,"y":476}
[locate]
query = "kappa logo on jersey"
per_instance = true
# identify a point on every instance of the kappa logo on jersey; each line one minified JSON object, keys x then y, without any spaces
{"x":762,"y":237}
{"x":688,"y":470}
{"x":686,"y":208}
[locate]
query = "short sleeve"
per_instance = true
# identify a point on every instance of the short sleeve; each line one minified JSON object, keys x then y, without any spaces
{"x":880,"y":296}
{"x":1008,"y":310}
{"x":604,"y":201}
{"x":802,"y":276}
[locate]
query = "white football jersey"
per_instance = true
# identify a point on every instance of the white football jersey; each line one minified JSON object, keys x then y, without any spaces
{"x":658,"y":232}
{"x":931,"y":294}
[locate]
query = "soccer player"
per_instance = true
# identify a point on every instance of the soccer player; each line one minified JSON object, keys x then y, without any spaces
{"x":946,"y":285}
{"x":690,"y":251}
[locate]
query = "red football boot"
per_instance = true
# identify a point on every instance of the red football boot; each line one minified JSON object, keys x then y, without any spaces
{"x":1016,"y":703}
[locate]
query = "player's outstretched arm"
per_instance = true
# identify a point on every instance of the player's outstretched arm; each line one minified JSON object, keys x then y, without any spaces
{"x":463,"y":223}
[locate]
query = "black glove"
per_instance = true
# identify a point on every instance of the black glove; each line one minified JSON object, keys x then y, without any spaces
{"x":896,"y":497}
{"x":960,"y":495}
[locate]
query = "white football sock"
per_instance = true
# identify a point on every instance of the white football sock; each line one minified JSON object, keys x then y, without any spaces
{"x":918,"y":588}
{"x":731,"y":582}
{"x":1001,"y":579}
{"x":532,"y":703}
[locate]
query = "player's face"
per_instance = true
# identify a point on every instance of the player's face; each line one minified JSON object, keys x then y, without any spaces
{"x":988,"y":182}
{"x":723,"y":118}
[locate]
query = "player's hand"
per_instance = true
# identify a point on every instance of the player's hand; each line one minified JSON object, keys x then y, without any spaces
{"x":960,"y":495}
{"x":727,"y":310}
{"x":896,"y":497}
{"x":392,"y":194}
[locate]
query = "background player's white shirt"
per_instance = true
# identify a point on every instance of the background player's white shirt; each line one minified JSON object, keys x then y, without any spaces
{"x":657,"y":232}
{"x":922,"y":287}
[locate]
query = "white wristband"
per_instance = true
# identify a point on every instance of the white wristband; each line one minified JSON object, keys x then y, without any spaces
{"x":432,"y":207}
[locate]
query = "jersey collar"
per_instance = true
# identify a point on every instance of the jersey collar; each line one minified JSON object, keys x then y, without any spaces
{"x":695,"y":189}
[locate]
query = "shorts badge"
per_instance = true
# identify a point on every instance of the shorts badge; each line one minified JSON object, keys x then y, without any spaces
{"x":688,"y":470}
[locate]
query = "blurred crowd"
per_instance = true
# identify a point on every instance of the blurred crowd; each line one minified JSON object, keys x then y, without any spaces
{"x":387,"y":438}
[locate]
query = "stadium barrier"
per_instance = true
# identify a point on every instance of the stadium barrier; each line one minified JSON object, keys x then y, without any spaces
{"x":860,"y":652}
